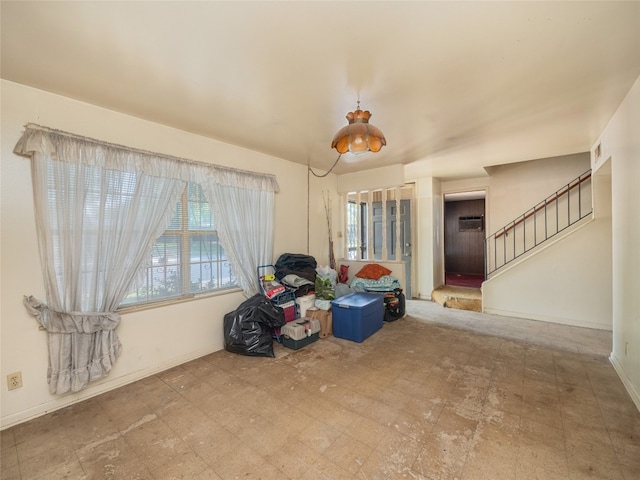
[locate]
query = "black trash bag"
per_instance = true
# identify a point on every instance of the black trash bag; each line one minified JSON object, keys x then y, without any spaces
{"x":296,"y":263}
{"x":247,"y":330}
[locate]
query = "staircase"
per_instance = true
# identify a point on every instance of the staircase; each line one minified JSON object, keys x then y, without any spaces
{"x":551,"y":216}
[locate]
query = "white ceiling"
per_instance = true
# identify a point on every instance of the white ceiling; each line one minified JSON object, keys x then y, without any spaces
{"x":454,"y":86}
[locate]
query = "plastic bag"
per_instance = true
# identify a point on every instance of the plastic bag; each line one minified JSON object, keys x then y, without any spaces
{"x":328,"y":273}
{"x":324,"y":289}
{"x":342,"y":289}
{"x":247,"y":330}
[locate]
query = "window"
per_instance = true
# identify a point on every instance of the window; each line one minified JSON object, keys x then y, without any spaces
{"x":356,"y":249}
{"x":377,"y":221}
{"x":188,"y":258}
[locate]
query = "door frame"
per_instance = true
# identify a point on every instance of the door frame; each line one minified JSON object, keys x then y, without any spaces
{"x":461,"y":194}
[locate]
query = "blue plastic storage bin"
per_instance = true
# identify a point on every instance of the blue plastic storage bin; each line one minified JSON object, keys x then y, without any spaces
{"x":357,"y":316}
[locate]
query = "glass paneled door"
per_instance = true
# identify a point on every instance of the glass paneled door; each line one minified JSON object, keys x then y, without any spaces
{"x":393,"y":239}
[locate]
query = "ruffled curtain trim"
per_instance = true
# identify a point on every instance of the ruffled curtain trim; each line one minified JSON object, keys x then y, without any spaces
{"x":71,"y":322}
{"x":107,"y":347}
{"x":73,"y":337}
{"x":63,"y":146}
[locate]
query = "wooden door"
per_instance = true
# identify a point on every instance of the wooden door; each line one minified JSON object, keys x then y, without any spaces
{"x":464,"y":237}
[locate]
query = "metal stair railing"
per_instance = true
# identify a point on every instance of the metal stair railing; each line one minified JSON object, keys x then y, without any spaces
{"x":557,"y":212}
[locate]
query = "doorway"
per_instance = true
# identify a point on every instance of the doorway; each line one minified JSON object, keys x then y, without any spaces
{"x":464,"y":232}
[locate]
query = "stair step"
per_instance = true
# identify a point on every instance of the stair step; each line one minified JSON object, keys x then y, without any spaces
{"x":461,"y":298}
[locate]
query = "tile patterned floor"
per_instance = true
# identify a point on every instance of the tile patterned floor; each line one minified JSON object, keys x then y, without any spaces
{"x":441,"y":394}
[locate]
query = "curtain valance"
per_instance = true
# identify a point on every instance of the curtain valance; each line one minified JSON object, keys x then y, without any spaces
{"x":65,"y":146}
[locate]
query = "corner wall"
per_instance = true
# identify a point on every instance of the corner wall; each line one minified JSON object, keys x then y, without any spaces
{"x":153,"y":339}
{"x":428,"y":254}
{"x":620,"y":145}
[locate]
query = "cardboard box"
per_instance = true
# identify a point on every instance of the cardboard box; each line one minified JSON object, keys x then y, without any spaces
{"x":325,"y":319}
{"x":357,"y":316}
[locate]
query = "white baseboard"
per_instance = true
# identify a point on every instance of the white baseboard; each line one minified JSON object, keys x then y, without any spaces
{"x":100,"y":387}
{"x":633,"y":393}
{"x":545,"y":318}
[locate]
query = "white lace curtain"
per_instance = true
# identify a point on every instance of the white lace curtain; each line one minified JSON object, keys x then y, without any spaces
{"x":247,"y":234}
{"x":93,"y":243}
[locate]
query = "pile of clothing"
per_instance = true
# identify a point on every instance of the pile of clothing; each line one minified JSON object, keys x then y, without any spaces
{"x":297,"y":272}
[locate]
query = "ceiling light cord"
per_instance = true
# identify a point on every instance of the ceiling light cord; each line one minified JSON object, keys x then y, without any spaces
{"x":330,"y":170}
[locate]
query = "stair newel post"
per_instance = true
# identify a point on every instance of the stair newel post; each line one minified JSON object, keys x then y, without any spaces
{"x":486,"y":257}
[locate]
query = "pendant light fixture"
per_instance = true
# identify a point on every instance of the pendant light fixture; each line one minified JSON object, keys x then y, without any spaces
{"x":359,"y":136}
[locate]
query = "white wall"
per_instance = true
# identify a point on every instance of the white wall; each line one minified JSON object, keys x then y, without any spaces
{"x":323,"y":190}
{"x":568,"y":282}
{"x":372,"y":179}
{"x":465,"y":185}
{"x":620,"y":144}
{"x":153,"y":339}
{"x":428,"y":260}
{"x":517,"y":187}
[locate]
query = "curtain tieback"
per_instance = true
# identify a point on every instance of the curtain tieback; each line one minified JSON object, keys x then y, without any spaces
{"x":70,"y":322}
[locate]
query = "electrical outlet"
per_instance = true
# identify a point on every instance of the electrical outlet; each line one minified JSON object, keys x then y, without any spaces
{"x":626,"y":348}
{"x":14,"y":380}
